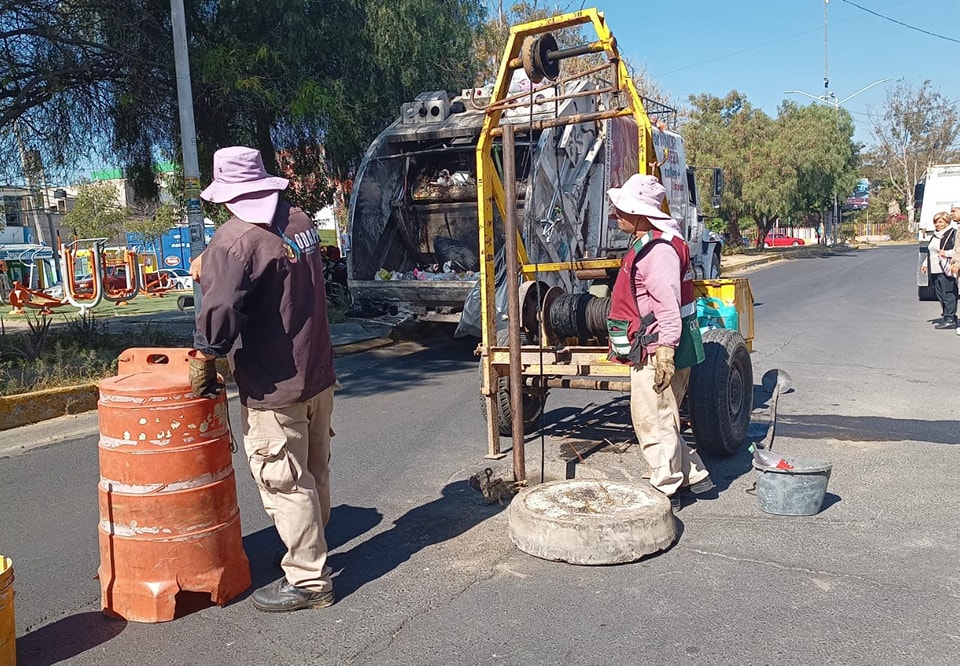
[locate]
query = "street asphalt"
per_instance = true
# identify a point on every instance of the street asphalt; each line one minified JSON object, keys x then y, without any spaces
{"x":427,"y":575}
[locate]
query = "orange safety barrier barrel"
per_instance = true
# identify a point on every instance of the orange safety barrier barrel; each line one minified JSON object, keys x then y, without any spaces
{"x":169,"y":519}
{"x":8,"y":626}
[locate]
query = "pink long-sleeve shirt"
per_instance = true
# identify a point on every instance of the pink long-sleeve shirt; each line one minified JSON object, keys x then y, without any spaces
{"x":656,"y":281}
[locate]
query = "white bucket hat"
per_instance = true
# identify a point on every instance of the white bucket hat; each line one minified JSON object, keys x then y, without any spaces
{"x":643,"y":195}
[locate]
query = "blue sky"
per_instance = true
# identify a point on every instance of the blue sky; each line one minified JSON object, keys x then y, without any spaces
{"x":765,"y":47}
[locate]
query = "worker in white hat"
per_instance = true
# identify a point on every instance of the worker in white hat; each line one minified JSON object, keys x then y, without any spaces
{"x":653,"y":327}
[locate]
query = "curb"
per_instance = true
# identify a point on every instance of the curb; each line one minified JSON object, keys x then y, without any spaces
{"x":786,"y":254}
{"x":27,"y":408}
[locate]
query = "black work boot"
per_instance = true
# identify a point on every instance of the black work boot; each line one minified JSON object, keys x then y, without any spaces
{"x":948,"y":322}
{"x":675,"y":503}
{"x":702,"y":489}
{"x":280,"y":596}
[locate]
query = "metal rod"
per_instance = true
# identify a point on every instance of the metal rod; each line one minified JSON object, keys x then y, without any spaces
{"x":434,"y":151}
{"x":575,"y":383}
{"x":513,"y":302}
{"x":567,"y":120}
{"x":563,"y":54}
{"x":558,"y":98}
{"x":517,"y":98}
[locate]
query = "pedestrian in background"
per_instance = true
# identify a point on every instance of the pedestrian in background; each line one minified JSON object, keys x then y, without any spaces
{"x":264,"y":303}
{"x":653,"y":327}
{"x":940,"y":252}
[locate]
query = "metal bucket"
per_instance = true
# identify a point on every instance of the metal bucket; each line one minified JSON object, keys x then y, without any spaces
{"x":793,"y":492}
{"x":8,"y":627}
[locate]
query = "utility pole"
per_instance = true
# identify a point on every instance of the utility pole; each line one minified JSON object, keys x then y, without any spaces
{"x":28,"y":161}
{"x":830,"y":99}
{"x":188,"y":139}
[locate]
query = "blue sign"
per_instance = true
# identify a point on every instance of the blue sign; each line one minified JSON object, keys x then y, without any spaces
{"x":173,"y":248}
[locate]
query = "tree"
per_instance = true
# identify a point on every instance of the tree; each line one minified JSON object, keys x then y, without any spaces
{"x":723,"y":132}
{"x":95,"y":212}
{"x":152,"y":221}
{"x":281,"y":76}
{"x":917,"y":127}
{"x":819,"y":141}
{"x":789,"y":167}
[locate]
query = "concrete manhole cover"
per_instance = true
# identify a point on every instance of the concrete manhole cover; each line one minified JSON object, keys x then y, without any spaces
{"x":583,"y":521}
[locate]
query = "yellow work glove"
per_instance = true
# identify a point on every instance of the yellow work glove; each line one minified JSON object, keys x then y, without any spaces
{"x":203,"y":376}
{"x":664,"y":369}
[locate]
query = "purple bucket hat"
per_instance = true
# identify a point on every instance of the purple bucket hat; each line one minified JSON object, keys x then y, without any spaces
{"x":239,"y":170}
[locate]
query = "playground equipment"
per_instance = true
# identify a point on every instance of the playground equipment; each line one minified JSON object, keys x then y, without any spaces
{"x":28,"y":278}
{"x":91,"y":273}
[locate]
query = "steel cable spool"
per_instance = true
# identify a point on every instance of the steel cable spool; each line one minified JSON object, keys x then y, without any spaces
{"x":582,"y":316}
{"x":597,"y":311}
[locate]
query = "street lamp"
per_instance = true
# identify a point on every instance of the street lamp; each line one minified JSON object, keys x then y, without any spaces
{"x":830,"y":99}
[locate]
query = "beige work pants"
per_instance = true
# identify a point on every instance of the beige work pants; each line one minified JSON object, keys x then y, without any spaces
{"x":656,"y":420}
{"x":289,"y":454}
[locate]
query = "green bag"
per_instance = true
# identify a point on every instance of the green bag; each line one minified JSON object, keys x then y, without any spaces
{"x":690,"y":348}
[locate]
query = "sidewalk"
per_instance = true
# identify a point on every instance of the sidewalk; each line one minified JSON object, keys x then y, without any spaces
{"x":733,"y":264}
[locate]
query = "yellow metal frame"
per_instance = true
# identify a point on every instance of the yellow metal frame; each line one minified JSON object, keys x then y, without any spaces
{"x":580,"y":362}
{"x":490,"y":193}
{"x":490,"y":187}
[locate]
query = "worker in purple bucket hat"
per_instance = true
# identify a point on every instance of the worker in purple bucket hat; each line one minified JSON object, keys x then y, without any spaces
{"x":264,"y":306}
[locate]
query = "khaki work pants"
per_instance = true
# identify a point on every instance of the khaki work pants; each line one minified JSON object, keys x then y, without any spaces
{"x":289,"y":454}
{"x":656,"y":420}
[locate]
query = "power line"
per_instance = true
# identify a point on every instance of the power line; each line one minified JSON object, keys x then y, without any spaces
{"x":905,"y":25}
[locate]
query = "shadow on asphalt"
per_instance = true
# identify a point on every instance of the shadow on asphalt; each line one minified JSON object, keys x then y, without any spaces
{"x":458,"y":509}
{"x":596,"y":421}
{"x":67,"y":638}
{"x":265,"y":549}
{"x":867,"y":428}
{"x":392,"y":372}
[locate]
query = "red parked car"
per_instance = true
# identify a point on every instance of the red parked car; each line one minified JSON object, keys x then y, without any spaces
{"x":781,"y":240}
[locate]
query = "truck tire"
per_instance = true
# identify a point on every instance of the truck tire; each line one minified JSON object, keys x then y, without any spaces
{"x":532,"y":403}
{"x":720,"y":397}
{"x":927,"y":293}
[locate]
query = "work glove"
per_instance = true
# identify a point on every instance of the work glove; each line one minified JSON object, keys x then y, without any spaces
{"x":203,"y":376}
{"x":663,"y":373}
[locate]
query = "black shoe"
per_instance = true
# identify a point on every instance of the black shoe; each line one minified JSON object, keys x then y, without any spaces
{"x":701,"y":487}
{"x":947,"y":324}
{"x":280,"y":596}
{"x":674,"y":502}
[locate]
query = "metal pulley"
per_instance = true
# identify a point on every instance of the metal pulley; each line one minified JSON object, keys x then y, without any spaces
{"x":540,"y":58}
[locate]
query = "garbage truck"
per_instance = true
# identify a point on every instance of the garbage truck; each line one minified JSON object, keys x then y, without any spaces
{"x":413,"y":217}
{"x":443,"y":203}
